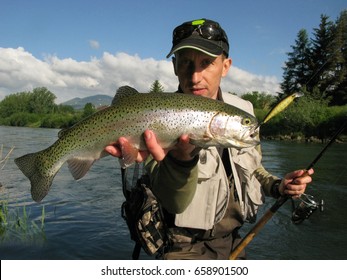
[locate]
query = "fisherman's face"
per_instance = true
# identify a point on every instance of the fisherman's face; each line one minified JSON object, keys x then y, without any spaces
{"x":199,"y":73}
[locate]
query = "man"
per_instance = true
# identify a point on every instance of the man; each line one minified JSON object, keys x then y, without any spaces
{"x":207,"y":197}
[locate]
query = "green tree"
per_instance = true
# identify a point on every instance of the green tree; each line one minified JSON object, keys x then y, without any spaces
{"x":338,"y":81}
{"x":297,"y":70}
{"x":88,"y":110}
{"x":42,"y":101}
{"x":322,"y":58}
{"x":39,"y":101}
{"x":14,"y":103}
{"x":306,"y":116}
{"x":260,"y":100}
{"x":65,"y":109}
{"x":318,"y":66}
{"x":156,"y":87}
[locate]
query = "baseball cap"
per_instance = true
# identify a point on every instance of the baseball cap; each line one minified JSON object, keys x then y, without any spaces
{"x":203,"y":35}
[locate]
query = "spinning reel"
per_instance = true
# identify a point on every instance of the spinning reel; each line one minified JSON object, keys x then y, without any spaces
{"x":305,"y":208}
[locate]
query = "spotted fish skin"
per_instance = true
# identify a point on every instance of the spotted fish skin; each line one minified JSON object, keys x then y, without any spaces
{"x":207,"y":122}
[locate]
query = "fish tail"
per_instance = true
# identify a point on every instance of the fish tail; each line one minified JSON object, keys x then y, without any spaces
{"x":40,"y":183}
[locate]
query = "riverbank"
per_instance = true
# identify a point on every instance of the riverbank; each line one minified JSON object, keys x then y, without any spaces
{"x":302,"y":139}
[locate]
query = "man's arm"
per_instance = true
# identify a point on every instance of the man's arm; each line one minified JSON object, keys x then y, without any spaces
{"x":173,"y":181}
{"x":174,"y":176}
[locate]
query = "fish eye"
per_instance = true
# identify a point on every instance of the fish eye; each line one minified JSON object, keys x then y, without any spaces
{"x":246,"y":121}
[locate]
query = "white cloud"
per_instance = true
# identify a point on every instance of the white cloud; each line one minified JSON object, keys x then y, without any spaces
{"x":241,"y":81}
{"x":68,"y":78}
{"x":94,"y":44}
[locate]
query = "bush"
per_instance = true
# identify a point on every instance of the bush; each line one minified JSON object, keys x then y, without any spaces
{"x":306,"y":117}
{"x":22,"y":119}
{"x":58,"y":121}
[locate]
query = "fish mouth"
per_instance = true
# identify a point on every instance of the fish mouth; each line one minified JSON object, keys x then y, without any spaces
{"x":250,"y":137}
{"x":250,"y":142}
{"x":246,"y":138}
{"x":243,"y":143}
{"x":254,"y":133}
{"x":251,"y":131}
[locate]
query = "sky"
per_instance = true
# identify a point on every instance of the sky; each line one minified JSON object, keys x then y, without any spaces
{"x":78,"y":48}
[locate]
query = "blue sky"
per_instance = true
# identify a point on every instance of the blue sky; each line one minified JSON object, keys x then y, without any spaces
{"x":39,"y":40}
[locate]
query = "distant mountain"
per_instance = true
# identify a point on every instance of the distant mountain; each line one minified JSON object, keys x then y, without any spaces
{"x":97,"y":100}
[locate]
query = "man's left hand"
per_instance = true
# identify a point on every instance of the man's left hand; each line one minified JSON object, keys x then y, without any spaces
{"x":295,"y":183}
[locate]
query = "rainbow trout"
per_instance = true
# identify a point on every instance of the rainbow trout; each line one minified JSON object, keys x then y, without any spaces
{"x":208,"y":122}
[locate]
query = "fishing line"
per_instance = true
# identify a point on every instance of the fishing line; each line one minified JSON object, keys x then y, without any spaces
{"x":280,"y":201}
{"x":307,"y":204}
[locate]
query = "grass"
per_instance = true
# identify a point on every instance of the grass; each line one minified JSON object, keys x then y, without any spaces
{"x":15,"y":223}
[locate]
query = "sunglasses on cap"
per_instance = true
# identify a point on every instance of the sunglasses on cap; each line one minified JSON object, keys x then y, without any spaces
{"x":206,"y":29}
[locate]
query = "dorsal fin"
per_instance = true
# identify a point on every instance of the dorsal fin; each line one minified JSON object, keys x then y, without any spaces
{"x":123,"y":92}
{"x":62,"y":132}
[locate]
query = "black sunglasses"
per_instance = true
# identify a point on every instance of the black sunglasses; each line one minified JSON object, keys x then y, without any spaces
{"x":209,"y":31}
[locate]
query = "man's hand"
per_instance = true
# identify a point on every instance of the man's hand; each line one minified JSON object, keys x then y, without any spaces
{"x":180,"y":151}
{"x":295,"y":183}
{"x":183,"y":149}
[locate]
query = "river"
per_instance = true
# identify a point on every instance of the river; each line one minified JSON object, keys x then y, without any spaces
{"x":83,"y":218}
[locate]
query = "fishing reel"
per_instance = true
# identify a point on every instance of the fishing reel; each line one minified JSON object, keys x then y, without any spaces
{"x":305,"y":208}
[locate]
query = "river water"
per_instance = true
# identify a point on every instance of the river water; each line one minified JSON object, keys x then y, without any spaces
{"x":83,"y":219}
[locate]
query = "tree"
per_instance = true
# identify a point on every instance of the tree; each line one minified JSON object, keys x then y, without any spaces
{"x":156,"y":87}
{"x":318,"y":66}
{"x":65,"y":109}
{"x":88,"y":110}
{"x":322,"y":58}
{"x":260,"y":100}
{"x":338,"y":82}
{"x":41,"y":101}
{"x":14,"y":103}
{"x":297,"y":70}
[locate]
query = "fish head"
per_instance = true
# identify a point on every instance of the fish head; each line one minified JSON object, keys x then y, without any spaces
{"x":237,"y":130}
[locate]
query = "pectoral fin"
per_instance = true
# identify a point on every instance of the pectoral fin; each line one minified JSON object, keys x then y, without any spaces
{"x":200,"y":141}
{"x":129,"y":154}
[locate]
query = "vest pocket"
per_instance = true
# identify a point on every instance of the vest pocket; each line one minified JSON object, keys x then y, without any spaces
{"x":201,"y":212}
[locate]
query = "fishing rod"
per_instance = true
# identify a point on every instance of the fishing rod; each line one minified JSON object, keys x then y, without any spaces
{"x":308,"y":205}
{"x":280,"y":201}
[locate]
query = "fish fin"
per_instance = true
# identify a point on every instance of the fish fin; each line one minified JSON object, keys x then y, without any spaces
{"x":62,"y":132}
{"x":200,"y":141}
{"x":40,"y":184}
{"x":123,"y":92}
{"x":129,"y":154}
{"x":79,"y":167}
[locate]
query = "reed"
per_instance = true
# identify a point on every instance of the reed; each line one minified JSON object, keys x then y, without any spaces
{"x":17,"y":225}
{"x":15,"y":222}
